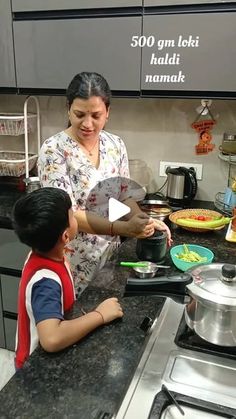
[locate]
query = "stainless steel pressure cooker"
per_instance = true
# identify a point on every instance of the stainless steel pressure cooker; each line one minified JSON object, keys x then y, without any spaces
{"x":209,"y":294}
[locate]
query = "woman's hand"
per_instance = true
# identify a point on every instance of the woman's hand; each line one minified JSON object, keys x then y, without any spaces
{"x":140,"y":226}
{"x":160,"y":225}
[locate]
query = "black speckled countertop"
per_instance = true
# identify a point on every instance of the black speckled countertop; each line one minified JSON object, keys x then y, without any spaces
{"x":90,"y":376}
{"x":93,"y":375}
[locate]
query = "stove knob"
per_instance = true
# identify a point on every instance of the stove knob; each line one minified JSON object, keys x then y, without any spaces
{"x":146,"y":324}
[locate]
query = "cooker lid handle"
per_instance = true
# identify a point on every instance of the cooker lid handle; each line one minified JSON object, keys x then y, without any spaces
{"x":228,"y":273}
{"x":178,"y":279}
{"x":173,"y":286}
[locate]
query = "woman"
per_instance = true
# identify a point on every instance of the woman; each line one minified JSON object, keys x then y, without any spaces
{"x":92,"y":165}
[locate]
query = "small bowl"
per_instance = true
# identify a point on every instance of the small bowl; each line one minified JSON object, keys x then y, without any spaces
{"x":184,"y":266}
{"x":157,"y":209}
{"x":146,"y":272}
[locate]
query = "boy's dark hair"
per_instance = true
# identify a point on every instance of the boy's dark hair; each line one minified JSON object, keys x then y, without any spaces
{"x":40,"y":217}
{"x":85,"y":85}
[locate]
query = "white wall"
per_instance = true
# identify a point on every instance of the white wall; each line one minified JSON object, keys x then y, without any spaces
{"x":153,"y":130}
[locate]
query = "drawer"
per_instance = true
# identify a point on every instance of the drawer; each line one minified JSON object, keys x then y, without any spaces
{"x":9,"y":285}
{"x":10,"y":333}
{"x":12,"y":252}
{"x":2,"y":334}
{"x":46,"y":5}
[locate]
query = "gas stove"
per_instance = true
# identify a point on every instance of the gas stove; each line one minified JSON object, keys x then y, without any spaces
{"x":200,"y":376}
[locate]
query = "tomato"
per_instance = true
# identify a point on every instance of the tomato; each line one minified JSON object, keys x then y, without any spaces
{"x":210,"y":218}
{"x":201,"y":218}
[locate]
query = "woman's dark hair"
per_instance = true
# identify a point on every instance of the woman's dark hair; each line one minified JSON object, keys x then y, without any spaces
{"x":85,"y":85}
{"x":40,"y":217}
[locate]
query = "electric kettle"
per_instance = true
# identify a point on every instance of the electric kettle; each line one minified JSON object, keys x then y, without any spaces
{"x":181,"y":185}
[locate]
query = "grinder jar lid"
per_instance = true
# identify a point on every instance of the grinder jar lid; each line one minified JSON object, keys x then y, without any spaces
{"x":214,"y":283}
{"x":158,"y":236}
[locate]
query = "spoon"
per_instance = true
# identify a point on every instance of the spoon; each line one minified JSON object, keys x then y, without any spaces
{"x":142,"y":265}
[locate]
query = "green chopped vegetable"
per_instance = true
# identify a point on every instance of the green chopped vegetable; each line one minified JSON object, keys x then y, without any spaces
{"x":190,"y":255}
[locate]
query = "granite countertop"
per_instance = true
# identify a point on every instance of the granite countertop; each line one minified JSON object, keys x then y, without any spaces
{"x":93,"y":375}
{"x":112,"y":275}
{"x":90,"y":376}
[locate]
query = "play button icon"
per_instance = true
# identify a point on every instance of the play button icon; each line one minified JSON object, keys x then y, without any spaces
{"x":116,"y":210}
{"x":108,"y":197}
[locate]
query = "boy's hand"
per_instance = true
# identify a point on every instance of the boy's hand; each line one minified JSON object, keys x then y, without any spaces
{"x":110,"y":309}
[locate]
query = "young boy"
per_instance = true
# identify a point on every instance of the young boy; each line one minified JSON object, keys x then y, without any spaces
{"x":44,"y":221}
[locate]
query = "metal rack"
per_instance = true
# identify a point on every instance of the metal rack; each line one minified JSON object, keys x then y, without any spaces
{"x":223,"y":200}
{"x":19,"y":163}
{"x":34,"y":98}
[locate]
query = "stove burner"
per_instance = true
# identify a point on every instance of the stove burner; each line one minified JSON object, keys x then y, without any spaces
{"x":188,"y":339}
{"x":161,"y":402}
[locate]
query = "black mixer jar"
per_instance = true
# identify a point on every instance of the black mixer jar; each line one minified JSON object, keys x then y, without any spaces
{"x":152,"y":248}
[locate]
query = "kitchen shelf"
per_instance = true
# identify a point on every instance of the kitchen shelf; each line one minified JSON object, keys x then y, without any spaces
{"x":13,"y":124}
{"x":221,"y":205}
{"x":226,"y":201}
{"x":12,"y":163}
{"x":229,"y":158}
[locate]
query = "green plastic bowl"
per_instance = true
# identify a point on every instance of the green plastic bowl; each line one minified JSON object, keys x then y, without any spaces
{"x":184,"y":266}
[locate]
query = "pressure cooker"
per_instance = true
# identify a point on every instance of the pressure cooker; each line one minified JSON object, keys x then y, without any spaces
{"x":209,"y":295}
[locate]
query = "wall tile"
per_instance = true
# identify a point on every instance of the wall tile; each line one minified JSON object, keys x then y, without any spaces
{"x":153,"y":130}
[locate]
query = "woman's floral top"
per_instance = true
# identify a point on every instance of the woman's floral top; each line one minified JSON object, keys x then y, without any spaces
{"x":63,"y":164}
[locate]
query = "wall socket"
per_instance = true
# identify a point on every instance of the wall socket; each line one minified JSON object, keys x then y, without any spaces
{"x":165,"y":164}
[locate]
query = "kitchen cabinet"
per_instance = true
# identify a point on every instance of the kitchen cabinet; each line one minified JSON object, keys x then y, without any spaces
{"x":7,"y":67}
{"x":189,"y":52}
{"x":12,"y":252}
{"x":10,"y":285}
{"x":181,"y":2}
{"x":12,"y":256}
{"x":49,"y":53}
{"x":28,"y":5}
{"x":2,"y":333}
{"x":10,"y":333}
